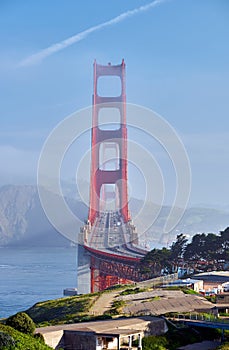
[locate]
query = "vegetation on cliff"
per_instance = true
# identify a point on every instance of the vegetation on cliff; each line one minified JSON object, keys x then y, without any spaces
{"x":11,"y":339}
{"x":22,"y":323}
{"x":63,"y":310}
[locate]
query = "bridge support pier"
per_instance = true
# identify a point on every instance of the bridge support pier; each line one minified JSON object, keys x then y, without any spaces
{"x":83,"y":271}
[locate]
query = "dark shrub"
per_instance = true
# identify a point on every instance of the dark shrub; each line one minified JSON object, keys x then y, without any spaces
{"x":104,"y":317}
{"x":22,"y":323}
{"x":40,"y":337}
{"x":6,"y":341}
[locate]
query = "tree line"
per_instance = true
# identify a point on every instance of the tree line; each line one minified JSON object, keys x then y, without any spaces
{"x":211,"y":250}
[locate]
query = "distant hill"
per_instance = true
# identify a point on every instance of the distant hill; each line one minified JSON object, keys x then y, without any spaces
{"x":23,"y":221}
{"x":194,"y":220}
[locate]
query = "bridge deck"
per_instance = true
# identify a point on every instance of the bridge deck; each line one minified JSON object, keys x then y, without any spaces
{"x":111,"y":235}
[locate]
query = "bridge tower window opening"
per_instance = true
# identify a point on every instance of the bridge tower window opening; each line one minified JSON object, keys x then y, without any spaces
{"x":109,"y":85}
{"x":109,"y":156}
{"x":109,"y":198}
{"x":109,"y":118}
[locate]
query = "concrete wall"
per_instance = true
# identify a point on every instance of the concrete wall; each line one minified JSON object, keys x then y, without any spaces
{"x":198,"y":285}
{"x":53,"y":339}
{"x":79,"y":341}
{"x":222,"y":298}
{"x":156,"y":328}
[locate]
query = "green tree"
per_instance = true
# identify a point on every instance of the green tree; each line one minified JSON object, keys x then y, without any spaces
{"x":224,"y":239}
{"x":156,"y":260}
{"x":212,"y":247}
{"x":22,"y":323}
{"x":178,"y":249}
{"x":205,"y":246}
{"x":196,"y":249}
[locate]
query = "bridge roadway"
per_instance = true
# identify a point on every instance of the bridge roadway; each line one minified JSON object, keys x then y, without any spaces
{"x":111,"y":235}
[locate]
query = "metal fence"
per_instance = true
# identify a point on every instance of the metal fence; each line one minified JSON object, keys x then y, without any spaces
{"x":159,"y":280}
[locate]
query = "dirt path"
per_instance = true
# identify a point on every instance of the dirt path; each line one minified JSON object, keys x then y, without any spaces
{"x":103,"y":303}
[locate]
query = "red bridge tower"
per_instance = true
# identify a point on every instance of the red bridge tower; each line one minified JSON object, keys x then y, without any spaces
{"x":100,"y":177}
{"x":107,"y":249}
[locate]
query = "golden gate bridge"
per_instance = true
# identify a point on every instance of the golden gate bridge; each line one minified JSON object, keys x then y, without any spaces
{"x":108,"y":249}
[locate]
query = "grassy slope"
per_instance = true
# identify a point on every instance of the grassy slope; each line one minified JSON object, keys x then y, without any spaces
{"x":77,"y":308}
{"x":63,"y":310}
{"x":71,"y":309}
{"x":23,"y":341}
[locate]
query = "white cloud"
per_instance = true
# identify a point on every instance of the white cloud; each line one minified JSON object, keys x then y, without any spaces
{"x":39,"y":56}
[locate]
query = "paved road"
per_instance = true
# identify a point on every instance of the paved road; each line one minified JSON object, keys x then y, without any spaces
{"x":205,"y":345}
{"x":103,"y":303}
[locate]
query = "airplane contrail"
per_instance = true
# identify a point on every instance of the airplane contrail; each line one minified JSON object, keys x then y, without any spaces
{"x":39,"y":56}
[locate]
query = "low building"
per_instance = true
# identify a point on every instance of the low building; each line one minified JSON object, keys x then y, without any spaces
{"x":92,"y":340}
{"x":222,"y":302}
{"x":69,"y":292}
{"x":225,"y":286}
{"x":222,"y":298}
{"x":213,"y":280}
{"x":98,"y":335}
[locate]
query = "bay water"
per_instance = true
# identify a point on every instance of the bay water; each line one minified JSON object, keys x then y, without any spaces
{"x":30,"y":275}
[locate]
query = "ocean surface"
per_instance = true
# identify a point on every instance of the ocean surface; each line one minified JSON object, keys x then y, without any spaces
{"x":30,"y":275}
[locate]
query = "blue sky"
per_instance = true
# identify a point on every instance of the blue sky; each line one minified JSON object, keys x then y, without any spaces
{"x":177,"y":58}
